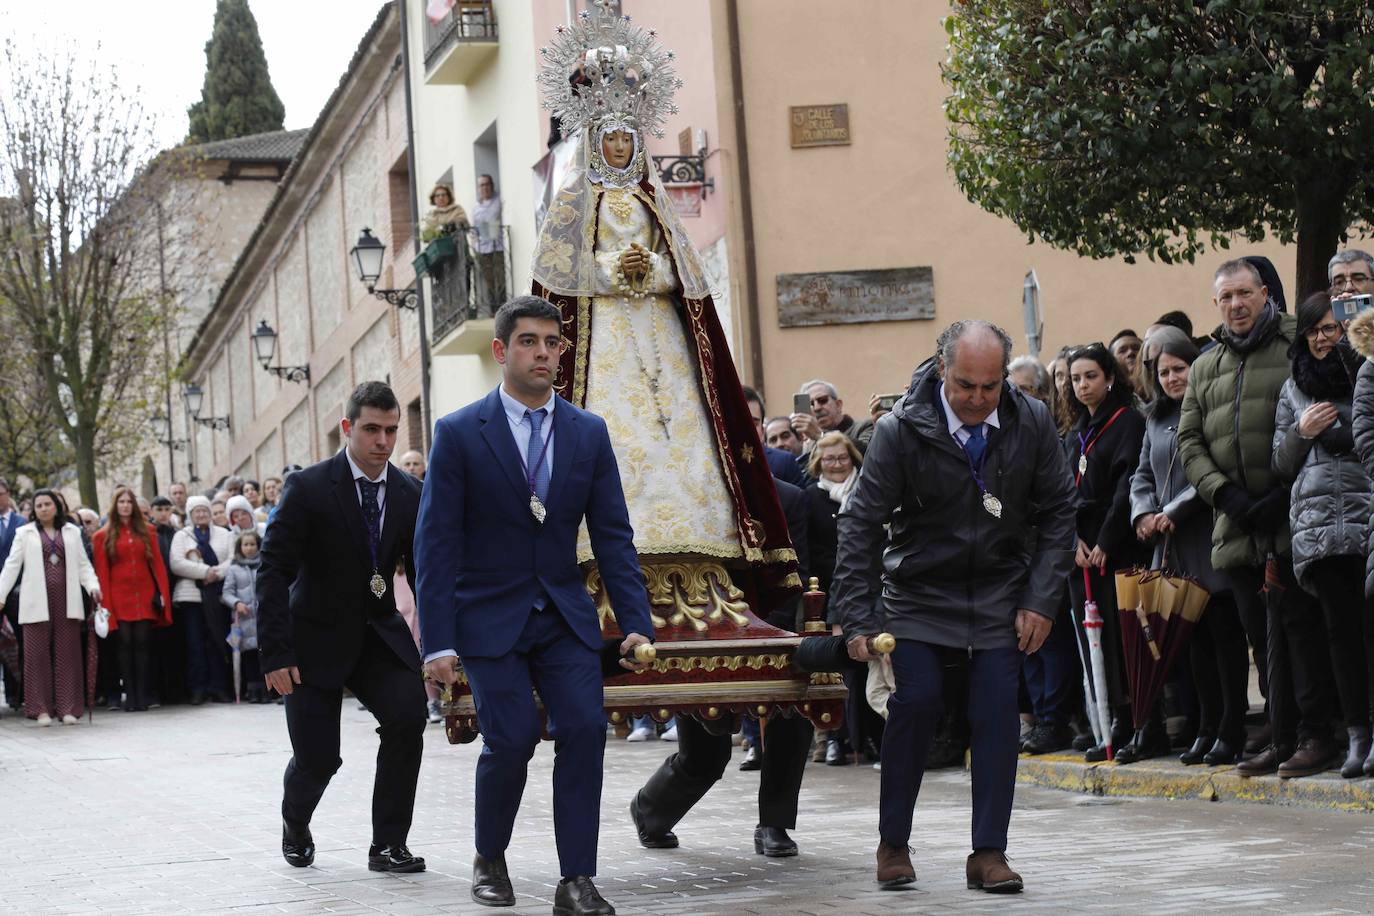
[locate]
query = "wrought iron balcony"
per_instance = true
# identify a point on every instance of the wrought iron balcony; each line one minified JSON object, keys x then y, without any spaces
{"x":465,"y":281}
{"x":461,"y":43}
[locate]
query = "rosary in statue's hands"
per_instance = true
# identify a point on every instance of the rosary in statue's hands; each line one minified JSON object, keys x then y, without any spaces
{"x":634,"y":262}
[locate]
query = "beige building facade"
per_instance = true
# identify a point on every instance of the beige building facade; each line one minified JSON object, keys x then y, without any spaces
{"x":774,"y":216}
{"x":296,"y":275}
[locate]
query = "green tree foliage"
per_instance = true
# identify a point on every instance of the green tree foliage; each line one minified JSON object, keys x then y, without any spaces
{"x":1163,"y":127}
{"x":237,"y":98}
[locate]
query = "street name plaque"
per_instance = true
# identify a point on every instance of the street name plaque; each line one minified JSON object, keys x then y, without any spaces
{"x":855,"y":296}
{"x":819,"y":125}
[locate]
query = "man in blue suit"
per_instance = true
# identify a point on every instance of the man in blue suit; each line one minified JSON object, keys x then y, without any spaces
{"x":511,"y":478}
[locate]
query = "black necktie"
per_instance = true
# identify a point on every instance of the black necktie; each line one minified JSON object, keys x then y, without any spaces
{"x":372,"y":513}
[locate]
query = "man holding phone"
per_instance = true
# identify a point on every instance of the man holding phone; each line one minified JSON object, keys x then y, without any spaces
{"x":1351,"y":274}
{"x":817,"y":409}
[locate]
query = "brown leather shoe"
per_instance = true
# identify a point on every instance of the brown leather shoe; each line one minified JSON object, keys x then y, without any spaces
{"x":894,"y":866}
{"x":1266,"y":761}
{"x":1312,"y":757}
{"x":987,"y":870}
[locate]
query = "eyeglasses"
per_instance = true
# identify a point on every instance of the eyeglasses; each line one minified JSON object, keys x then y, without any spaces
{"x":834,"y":459}
{"x":1330,"y":331}
{"x":1339,"y":283}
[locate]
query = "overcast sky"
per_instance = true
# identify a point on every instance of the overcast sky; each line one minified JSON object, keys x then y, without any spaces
{"x":159,"y":45}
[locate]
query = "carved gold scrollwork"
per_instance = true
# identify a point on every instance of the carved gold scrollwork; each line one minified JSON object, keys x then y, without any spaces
{"x":693,"y":594}
{"x":778,"y":660}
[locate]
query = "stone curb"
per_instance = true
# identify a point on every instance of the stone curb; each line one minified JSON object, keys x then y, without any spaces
{"x":1169,"y":779}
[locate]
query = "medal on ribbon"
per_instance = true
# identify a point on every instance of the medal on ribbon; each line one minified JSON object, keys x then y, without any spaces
{"x":376,"y":585}
{"x":991,"y":504}
{"x":1087,"y":439}
{"x":537,"y":508}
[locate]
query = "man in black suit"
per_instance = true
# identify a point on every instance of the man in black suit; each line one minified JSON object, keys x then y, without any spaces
{"x":701,"y":756}
{"x":327,"y":620}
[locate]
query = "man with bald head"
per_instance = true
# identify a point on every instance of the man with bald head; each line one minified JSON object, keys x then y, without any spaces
{"x":413,"y":463}
{"x":973,"y":570}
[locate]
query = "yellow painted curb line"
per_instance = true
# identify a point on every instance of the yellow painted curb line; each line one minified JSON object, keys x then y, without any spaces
{"x":1168,"y":779}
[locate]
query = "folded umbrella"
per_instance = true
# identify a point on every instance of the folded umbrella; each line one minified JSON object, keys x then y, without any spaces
{"x":1092,"y":624}
{"x":1167,"y":609}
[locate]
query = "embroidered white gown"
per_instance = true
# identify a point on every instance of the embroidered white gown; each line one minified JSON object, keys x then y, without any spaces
{"x":674,"y":487}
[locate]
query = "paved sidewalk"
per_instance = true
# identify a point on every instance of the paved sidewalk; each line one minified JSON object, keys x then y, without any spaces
{"x":176,"y":811}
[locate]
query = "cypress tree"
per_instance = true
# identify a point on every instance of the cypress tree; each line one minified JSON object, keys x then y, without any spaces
{"x":237,"y":98}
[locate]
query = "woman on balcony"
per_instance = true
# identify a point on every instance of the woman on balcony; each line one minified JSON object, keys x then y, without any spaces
{"x":445,"y":217}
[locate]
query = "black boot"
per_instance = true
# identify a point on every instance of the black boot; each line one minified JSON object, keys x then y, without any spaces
{"x":1194,"y":755}
{"x":1360,"y":745}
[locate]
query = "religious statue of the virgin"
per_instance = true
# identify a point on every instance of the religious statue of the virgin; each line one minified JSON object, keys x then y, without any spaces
{"x":644,"y":348}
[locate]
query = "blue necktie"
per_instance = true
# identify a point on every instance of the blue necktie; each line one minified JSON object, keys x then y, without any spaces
{"x":976,"y":444}
{"x":535,"y":453}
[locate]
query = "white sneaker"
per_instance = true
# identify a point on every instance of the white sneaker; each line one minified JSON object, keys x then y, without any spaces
{"x":641,"y":733}
{"x":69,"y":720}
{"x":670,"y":734}
{"x":434,"y":714}
{"x":44,"y":720}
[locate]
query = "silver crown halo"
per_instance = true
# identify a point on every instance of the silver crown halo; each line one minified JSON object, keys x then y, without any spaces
{"x":628,"y":74}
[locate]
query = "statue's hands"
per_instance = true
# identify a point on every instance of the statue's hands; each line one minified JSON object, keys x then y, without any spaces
{"x":634,"y":262}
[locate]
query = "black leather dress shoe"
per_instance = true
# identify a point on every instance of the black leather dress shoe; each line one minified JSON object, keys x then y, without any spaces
{"x":579,"y":897}
{"x":753,"y":760}
{"x":773,"y":842}
{"x":297,"y":846}
{"x":667,"y":840}
{"x":393,"y":858}
{"x":1222,"y":754}
{"x":491,"y":882}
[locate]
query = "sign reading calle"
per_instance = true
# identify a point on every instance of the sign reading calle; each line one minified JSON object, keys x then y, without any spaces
{"x":854,"y":296}
{"x":819,"y":125}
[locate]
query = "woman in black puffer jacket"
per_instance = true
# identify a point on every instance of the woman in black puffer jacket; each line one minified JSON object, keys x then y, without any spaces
{"x":1314,"y":452}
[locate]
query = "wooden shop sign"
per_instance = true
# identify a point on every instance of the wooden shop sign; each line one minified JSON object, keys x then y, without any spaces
{"x":819,"y":125}
{"x":854,"y":296}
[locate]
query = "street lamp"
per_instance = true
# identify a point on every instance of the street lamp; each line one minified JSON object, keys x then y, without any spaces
{"x":162,"y":428}
{"x":265,"y":346}
{"x":195,"y":399}
{"x":367,"y":259}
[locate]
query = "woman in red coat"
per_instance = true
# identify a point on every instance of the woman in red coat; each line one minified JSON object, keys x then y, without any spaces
{"x":133,"y":581}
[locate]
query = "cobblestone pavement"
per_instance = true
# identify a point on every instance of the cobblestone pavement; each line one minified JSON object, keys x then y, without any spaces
{"x":176,"y":811}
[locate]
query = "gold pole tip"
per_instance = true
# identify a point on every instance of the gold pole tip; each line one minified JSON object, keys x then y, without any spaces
{"x":815,"y":584}
{"x":645,"y":652}
{"x":884,"y":643}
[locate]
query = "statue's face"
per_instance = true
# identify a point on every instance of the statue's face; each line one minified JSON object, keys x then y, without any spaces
{"x":617,"y":147}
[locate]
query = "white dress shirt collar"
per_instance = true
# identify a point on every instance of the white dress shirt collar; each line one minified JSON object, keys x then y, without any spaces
{"x":515,"y":411}
{"x":357,"y":472}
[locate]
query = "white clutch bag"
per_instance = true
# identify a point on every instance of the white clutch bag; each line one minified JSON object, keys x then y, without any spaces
{"x":102,"y":622}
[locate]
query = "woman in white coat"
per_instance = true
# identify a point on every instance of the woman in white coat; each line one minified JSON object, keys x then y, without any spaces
{"x":49,"y":552}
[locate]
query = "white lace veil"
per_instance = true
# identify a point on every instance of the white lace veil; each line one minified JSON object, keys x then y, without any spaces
{"x":564,"y":256}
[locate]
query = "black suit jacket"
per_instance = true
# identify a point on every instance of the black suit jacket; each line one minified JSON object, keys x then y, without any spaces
{"x":314,"y":604}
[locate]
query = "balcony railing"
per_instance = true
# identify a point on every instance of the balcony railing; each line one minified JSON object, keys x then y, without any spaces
{"x":466,"y":281}
{"x":467,"y":21}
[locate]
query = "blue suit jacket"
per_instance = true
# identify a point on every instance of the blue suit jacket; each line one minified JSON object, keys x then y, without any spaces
{"x":481,"y":557}
{"x":7,"y":530}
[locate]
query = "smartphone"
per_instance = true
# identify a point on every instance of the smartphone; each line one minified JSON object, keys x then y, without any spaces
{"x":1348,"y":307}
{"x":801,"y":403}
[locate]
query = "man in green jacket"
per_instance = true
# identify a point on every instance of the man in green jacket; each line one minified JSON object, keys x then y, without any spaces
{"x":1225,"y":437}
